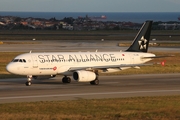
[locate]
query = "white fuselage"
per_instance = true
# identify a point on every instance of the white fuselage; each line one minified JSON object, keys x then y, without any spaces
{"x":61,"y":62}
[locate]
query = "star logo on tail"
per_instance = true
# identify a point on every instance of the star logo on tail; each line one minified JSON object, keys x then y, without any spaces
{"x":142,"y":43}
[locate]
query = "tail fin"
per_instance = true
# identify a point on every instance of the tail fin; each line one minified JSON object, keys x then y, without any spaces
{"x":141,"y":41}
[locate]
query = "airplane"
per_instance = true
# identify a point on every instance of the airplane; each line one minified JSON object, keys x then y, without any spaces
{"x":83,"y":66}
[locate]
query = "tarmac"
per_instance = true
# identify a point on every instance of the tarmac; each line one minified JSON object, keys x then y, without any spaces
{"x":14,"y":90}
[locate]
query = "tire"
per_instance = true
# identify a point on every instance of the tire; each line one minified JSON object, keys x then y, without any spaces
{"x":28,"y":83}
{"x":68,"y":80}
{"x":94,"y":82}
{"x":64,"y":80}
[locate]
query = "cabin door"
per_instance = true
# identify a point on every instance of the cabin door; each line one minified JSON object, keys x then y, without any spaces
{"x":35,"y":62}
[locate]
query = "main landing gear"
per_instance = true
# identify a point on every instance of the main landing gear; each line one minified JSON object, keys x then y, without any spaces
{"x":66,"y":79}
{"x":28,"y":83}
{"x":95,"y":82}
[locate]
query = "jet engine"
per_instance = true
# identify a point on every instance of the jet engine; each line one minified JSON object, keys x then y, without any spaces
{"x":84,"y":76}
{"x":43,"y":77}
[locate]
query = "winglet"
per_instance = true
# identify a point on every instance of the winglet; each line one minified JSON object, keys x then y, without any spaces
{"x":141,"y":41}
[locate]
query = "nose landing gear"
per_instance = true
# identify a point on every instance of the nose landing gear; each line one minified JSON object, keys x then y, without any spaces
{"x":29,"y":79}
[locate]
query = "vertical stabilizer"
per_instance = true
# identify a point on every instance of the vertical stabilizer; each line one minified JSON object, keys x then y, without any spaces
{"x":141,"y":41}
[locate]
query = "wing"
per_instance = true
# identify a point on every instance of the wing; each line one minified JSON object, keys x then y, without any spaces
{"x":107,"y":67}
{"x":118,"y":66}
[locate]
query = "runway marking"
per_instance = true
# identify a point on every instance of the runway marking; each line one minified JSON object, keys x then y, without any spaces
{"x":85,"y":94}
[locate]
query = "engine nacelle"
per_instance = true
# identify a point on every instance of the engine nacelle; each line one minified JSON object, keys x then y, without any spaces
{"x":84,"y":76}
{"x":43,"y":77}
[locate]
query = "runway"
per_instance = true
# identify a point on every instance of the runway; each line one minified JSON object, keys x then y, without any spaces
{"x":14,"y":90}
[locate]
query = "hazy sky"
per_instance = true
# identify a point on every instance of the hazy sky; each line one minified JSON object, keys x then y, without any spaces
{"x":90,"y":5}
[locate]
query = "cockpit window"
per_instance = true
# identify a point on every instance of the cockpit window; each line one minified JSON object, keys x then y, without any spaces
{"x":24,"y":60}
{"x":19,"y":60}
{"x":15,"y":60}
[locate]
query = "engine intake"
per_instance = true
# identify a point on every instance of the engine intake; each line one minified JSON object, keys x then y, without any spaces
{"x":84,"y":76}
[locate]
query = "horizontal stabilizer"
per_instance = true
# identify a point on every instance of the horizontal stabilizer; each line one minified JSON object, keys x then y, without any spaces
{"x":158,"y":56}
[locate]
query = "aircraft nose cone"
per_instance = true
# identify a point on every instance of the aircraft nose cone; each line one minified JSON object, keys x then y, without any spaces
{"x":10,"y":68}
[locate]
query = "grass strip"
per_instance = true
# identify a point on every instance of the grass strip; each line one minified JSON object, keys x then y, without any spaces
{"x":136,"y":108}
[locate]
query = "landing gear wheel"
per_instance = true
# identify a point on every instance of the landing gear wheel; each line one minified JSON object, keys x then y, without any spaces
{"x":66,"y":79}
{"x":28,"y":83}
{"x":94,"y":82}
{"x":29,"y":79}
